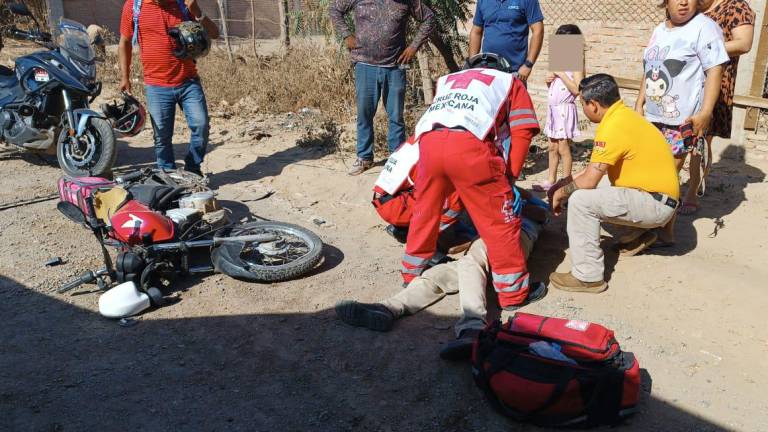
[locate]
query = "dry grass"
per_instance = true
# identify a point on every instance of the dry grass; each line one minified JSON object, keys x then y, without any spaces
{"x":309,"y":75}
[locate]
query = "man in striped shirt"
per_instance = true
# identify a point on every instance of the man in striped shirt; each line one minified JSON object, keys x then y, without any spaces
{"x":169,"y":81}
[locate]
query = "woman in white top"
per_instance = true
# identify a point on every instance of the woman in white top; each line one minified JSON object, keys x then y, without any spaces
{"x":682,"y":69}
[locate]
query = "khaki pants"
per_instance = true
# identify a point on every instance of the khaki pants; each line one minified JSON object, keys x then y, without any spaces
{"x":587,"y":208}
{"x":468,"y":276}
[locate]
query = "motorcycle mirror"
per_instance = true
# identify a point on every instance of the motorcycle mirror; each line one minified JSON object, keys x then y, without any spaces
{"x":71,"y":211}
{"x":20,"y":9}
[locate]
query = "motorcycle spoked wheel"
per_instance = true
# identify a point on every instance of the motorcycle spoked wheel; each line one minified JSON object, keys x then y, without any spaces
{"x":93,"y":154}
{"x":297,"y":251}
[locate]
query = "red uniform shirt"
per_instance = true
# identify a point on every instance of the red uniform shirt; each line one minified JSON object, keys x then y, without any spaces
{"x":161,"y":67}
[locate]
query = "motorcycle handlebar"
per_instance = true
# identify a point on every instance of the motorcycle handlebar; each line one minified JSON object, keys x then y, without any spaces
{"x":136,"y":175}
{"x":85,"y":278}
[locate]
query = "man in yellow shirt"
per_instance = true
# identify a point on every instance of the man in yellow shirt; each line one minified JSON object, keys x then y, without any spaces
{"x":644,"y":187}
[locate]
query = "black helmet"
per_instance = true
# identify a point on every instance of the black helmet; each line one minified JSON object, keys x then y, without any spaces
{"x":127,"y":116}
{"x":488,"y":60}
{"x":192,"y":41}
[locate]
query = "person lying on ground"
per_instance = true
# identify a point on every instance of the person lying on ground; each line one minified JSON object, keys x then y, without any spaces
{"x":473,"y":140}
{"x":469,"y":276}
{"x":643,"y":192}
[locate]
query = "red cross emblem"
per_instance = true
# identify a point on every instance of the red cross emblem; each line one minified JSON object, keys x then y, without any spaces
{"x":464,"y":79}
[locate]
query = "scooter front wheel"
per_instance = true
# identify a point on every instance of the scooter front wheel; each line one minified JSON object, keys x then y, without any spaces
{"x":92,"y":154}
{"x":294,"y":252}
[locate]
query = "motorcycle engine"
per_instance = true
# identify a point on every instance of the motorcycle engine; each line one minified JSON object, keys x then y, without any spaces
{"x":16,"y":130}
{"x":128,"y":267}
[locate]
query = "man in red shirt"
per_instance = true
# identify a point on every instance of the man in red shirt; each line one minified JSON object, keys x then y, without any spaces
{"x":169,"y":81}
{"x":473,"y":139}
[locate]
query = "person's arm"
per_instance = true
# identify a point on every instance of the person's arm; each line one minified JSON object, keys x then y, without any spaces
{"x":125,"y":47}
{"x":337,"y":11}
{"x":586,"y":179}
{"x":571,"y":84}
{"x":640,"y":102}
{"x":422,"y":13}
{"x":741,"y":42}
{"x":476,"y":33}
{"x":702,"y":119}
{"x":475,"y":40}
{"x":125,"y":55}
{"x":537,"y":41}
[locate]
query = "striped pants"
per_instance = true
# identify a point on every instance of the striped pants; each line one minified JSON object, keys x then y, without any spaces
{"x":451,"y":161}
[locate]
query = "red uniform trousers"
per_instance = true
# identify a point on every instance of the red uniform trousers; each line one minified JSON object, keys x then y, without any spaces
{"x":455,"y":160}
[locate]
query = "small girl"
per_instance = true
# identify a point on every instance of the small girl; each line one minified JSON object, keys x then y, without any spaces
{"x":562,"y":120}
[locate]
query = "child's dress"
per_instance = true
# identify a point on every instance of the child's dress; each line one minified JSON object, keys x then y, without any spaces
{"x":562,"y":118}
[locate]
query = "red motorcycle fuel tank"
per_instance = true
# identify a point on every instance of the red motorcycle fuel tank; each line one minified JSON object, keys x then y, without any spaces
{"x":135,"y":221}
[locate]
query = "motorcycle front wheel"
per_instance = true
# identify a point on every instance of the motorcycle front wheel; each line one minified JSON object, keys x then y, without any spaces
{"x":293,"y":253}
{"x":92,"y":154}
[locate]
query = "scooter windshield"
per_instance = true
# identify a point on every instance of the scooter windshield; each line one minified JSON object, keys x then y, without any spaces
{"x":75,"y":44}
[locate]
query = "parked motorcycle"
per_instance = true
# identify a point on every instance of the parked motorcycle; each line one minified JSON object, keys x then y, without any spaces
{"x":168,"y":224}
{"x":44,"y":103}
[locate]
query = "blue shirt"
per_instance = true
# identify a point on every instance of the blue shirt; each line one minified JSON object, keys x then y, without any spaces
{"x":505,"y":27}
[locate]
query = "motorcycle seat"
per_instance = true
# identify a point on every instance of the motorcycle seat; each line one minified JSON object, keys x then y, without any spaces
{"x":156,"y":197}
{"x":107,"y":202}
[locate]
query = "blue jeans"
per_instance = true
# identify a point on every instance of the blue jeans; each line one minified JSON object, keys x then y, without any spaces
{"x":161,"y":104}
{"x":371,"y":84}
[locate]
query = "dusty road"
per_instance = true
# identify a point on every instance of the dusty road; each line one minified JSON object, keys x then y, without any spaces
{"x":235,"y":356}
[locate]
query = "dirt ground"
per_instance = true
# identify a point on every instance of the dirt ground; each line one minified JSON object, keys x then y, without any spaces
{"x":238,"y":356}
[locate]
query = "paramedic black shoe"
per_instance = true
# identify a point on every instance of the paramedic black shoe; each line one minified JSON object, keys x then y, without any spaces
{"x":398,"y":233}
{"x":536,"y":292}
{"x":460,"y":348}
{"x":374,"y":316}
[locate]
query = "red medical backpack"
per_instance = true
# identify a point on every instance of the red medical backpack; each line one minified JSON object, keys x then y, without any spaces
{"x":596,"y":384}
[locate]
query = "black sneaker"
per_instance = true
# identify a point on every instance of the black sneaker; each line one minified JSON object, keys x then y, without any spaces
{"x":460,"y":348}
{"x":374,"y":316}
{"x":399,"y":234}
{"x":536,"y":292}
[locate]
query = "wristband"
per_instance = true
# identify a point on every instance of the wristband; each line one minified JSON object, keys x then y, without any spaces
{"x":528,"y":64}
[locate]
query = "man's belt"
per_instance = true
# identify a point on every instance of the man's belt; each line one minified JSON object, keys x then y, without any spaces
{"x":664,"y":199}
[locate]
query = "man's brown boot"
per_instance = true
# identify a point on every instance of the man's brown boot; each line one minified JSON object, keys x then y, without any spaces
{"x":568,"y":282}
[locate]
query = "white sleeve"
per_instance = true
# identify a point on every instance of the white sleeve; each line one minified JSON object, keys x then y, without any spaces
{"x":710,"y":47}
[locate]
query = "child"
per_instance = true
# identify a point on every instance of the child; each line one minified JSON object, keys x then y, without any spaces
{"x":562,"y":120}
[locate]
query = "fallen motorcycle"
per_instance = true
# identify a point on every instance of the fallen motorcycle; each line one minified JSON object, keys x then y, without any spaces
{"x":168,"y":224}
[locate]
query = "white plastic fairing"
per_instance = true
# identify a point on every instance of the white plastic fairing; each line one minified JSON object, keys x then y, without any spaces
{"x":123,"y":301}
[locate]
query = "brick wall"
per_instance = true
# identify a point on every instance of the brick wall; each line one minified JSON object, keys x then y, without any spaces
{"x":613,"y":48}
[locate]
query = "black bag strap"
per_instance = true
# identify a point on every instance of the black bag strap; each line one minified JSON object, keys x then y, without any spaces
{"x":499,"y":357}
{"x":604,"y":391}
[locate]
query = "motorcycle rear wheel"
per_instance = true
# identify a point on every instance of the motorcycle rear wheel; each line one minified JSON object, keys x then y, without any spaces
{"x":98,"y":157}
{"x":297,"y":252}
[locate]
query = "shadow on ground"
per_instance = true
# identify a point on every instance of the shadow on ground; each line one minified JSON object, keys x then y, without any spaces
{"x":726,"y":191}
{"x":67,"y":369}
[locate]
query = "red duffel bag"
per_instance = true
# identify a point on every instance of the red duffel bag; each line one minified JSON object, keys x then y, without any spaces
{"x":555,"y":372}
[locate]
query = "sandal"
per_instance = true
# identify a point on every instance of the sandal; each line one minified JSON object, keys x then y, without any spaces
{"x":688,"y":209}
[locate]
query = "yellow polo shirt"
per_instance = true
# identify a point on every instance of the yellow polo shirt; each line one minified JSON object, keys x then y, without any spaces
{"x":638,"y":155}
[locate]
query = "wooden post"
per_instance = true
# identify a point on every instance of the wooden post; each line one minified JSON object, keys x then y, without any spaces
{"x":426,"y":79}
{"x":285,"y":37}
{"x":253,"y":26}
{"x":224,"y":29}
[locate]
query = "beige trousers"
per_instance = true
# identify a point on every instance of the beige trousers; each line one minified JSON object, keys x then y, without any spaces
{"x":468,"y":276}
{"x":587,"y":208}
